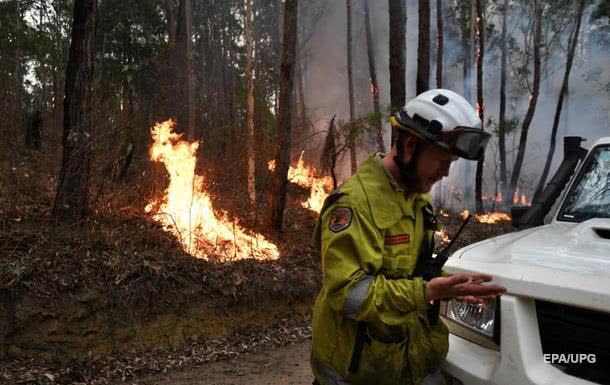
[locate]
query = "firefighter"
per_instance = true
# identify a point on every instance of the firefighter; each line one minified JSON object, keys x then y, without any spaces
{"x":375,"y":320}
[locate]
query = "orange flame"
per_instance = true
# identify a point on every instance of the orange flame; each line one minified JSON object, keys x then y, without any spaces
{"x":524,"y":201}
{"x":186,"y":209}
{"x":271,"y":165}
{"x":465,"y":214}
{"x":492,"y":217}
{"x":499,"y":197}
{"x":305,"y":176}
{"x":442,"y":236}
{"x":516,"y":196}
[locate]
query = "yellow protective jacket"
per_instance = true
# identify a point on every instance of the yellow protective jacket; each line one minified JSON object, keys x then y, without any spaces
{"x":370,"y":321}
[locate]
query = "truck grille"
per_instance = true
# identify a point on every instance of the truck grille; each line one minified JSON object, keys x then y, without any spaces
{"x":570,"y":331}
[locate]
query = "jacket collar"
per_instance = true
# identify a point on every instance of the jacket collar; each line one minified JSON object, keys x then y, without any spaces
{"x":388,"y":203}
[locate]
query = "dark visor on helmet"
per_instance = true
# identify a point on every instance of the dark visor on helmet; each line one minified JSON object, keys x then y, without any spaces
{"x":466,"y":142}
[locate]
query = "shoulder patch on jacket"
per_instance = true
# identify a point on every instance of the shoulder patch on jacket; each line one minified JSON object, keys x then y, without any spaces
{"x":331,"y":199}
{"x":340,"y":219}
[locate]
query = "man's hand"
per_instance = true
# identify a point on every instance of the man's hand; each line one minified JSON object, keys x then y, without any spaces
{"x":468,"y":287}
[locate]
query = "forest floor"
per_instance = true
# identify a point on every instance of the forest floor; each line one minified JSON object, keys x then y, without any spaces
{"x":286,"y":365}
{"x":114,"y":299}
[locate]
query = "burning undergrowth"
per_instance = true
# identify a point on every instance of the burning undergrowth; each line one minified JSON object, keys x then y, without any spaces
{"x":121,"y":265}
{"x":186,"y":211}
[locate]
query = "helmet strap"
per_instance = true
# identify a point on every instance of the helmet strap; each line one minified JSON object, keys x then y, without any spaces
{"x":407,"y":169}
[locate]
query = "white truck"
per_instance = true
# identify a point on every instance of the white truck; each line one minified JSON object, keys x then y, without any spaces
{"x":553,"y":324}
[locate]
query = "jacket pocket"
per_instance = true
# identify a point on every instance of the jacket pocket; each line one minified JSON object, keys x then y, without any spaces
{"x":428,"y":349}
{"x":378,"y":358}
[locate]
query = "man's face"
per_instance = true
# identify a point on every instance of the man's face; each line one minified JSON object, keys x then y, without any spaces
{"x":431,"y":165}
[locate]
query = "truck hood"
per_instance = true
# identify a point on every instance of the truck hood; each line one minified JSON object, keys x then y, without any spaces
{"x":561,"y":262}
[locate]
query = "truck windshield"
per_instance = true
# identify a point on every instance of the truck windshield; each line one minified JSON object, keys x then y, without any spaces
{"x":589,"y":197}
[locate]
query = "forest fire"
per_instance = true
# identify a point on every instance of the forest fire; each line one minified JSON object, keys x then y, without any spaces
{"x":520,"y":198}
{"x":186,"y":209}
{"x":305,"y":176}
{"x":491,"y":218}
{"x":442,"y":236}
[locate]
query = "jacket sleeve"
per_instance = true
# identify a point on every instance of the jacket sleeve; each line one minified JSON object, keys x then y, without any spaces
{"x":351,"y":260}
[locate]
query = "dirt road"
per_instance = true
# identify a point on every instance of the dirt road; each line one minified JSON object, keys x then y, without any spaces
{"x":288,"y":365}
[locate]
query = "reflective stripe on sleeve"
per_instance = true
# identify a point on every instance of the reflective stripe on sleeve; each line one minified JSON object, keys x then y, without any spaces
{"x":356,"y":297}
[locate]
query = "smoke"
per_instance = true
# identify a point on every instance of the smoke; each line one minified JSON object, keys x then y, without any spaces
{"x":585,"y":112}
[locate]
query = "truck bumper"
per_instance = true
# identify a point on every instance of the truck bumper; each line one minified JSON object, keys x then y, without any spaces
{"x":520,"y":359}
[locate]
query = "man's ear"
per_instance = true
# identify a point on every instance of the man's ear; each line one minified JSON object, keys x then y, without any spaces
{"x":409,"y":147}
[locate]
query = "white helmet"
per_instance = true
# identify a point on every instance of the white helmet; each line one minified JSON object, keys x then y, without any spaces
{"x":445,"y":119}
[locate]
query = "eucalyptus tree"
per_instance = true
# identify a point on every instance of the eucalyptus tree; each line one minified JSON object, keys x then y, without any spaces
{"x":573,"y":42}
{"x":537,"y":11}
{"x":71,"y":201}
{"x":423,"y":47}
{"x":278,"y":195}
{"x":480,"y":35}
{"x":397,"y":51}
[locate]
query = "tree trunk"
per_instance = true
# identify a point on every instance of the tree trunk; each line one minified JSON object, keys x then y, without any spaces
{"x":72,"y":192}
{"x":468,"y":41}
{"x":439,"y":44}
{"x":439,"y":80}
{"x":480,"y":105}
{"x":171,"y":22}
{"x":502,"y":116}
{"x":533,"y":98}
{"x":398,"y":46}
{"x":350,"y":86}
{"x":373,"y":75}
{"x":328,"y":160}
{"x":183,"y":71}
{"x":249,"y":24}
{"x":19,"y":121}
{"x":302,"y":107}
{"x":282,"y":159}
{"x":423,"y":48}
{"x":580,"y":5}
{"x":167,"y":82}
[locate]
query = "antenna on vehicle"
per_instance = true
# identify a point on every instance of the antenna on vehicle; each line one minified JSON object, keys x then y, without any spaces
{"x":457,"y":234}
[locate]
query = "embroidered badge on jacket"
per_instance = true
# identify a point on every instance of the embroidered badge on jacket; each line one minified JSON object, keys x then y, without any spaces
{"x":340,"y":219}
{"x":396,"y":239}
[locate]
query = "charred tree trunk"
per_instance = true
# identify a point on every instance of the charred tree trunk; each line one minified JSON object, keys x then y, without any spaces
{"x":439,"y":78}
{"x":580,"y":5}
{"x":373,"y":76}
{"x":398,"y":46}
{"x":19,"y":121}
{"x":502,"y":116}
{"x":533,"y":98}
{"x":183,"y":71}
{"x":480,"y":105}
{"x":282,"y":159}
{"x":33,"y":130}
{"x":328,"y":160}
{"x":469,"y":41}
{"x":423,"y":48}
{"x":350,"y":86}
{"x":439,"y":44}
{"x":302,"y":108}
{"x":250,"y":103}
{"x":72,"y":192}
{"x":167,"y":81}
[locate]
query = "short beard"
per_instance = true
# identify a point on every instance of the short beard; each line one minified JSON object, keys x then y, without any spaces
{"x":412,"y":182}
{"x":408,"y":173}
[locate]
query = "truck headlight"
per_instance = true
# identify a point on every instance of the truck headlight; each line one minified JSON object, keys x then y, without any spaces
{"x":474,"y":322}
